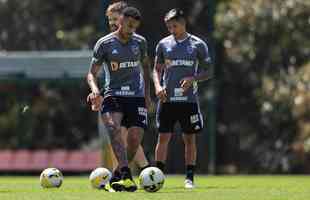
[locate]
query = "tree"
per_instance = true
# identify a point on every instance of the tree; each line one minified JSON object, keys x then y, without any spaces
{"x":262,"y":43}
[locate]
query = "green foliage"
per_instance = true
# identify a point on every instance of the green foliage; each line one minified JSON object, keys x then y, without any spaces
{"x":41,"y":25}
{"x":264,"y":45}
{"x":264,"y":35}
{"x":57,"y":115}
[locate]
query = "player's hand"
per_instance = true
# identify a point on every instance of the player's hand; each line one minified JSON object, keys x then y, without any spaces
{"x":186,"y":83}
{"x":96,"y":100}
{"x":161,"y":94}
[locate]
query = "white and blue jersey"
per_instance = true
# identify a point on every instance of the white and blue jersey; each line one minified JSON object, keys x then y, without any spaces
{"x":122,"y":65}
{"x":181,"y":59}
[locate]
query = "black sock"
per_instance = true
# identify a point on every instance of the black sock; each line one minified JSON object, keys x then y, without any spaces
{"x":190,"y":171}
{"x":126,"y":173}
{"x":161,"y":165}
{"x":116,"y":176}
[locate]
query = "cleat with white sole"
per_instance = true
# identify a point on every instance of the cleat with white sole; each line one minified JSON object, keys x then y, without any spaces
{"x":188,"y":184}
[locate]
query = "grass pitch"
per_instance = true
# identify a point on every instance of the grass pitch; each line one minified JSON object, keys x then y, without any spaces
{"x":208,"y":187}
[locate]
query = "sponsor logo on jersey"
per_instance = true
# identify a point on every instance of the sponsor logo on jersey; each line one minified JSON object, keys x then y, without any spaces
{"x":178,"y":92}
{"x":190,"y":49}
{"x":114,"y":51}
{"x":179,"y":62}
{"x":125,"y":93}
{"x":135,"y":49}
{"x":167,"y":62}
{"x":129,"y":64}
{"x":116,"y":66}
{"x":125,"y":88}
{"x":178,"y":98}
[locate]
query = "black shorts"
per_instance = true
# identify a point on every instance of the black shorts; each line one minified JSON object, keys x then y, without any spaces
{"x":133,"y":110}
{"x":187,"y":114}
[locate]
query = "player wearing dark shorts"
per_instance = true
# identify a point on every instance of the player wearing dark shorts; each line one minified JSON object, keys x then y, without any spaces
{"x":176,"y":63}
{"x":133,"y":109}
{"x":108,"y":157}
{"x":187,"y":114}
{"x":126,"y":92}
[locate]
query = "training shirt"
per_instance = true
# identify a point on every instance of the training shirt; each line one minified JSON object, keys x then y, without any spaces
{"x":181,"y":59}
{"x":122,"y":64}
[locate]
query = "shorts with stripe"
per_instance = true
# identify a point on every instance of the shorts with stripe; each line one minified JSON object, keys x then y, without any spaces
{"x":187,"y":114}
{"x":133,"y":110}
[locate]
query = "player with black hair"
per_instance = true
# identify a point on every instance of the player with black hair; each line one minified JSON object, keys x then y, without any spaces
{"x":127,"y":90}
{"x":176,"y":63}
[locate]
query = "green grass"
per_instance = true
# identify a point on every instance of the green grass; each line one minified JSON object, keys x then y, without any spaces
{"x":208,"y":187}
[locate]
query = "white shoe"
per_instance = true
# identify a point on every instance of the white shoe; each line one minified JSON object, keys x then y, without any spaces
{"x":188,"y":184}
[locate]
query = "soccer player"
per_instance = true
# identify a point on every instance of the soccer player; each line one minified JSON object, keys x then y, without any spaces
{"x":177,"y":59}
{"x":113,"y":12}
{"x":127,"y":90}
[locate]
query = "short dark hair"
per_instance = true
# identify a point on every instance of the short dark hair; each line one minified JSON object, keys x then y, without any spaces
{"x":116,"y":7}
{"x":132,"y":12}
{"x":174,"y":13}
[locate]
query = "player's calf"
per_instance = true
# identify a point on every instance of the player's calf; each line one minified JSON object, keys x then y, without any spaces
{"x":133,"y":142}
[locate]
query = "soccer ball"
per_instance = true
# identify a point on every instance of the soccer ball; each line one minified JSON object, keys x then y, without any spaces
{"x":51,"y":178}
{"x":100,"y":177}
{"x":151,"y":179}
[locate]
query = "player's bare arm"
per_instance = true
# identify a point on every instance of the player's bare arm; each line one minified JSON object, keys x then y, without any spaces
{"x":147,"y":80}
{"x":94,"y":97}
{"x":157,"y":72}
{"x":204,"y":75}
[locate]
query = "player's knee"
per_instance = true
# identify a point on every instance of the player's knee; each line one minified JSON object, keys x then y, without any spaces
{"x":133,"y":140}
{"x":164,"y":138}
{"x":113,"y":130}
{"x":189,"y":140}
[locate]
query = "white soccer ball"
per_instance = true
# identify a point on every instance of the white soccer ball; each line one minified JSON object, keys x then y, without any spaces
{"x":51,"y":178}
{"x":151,"y":179}
{"x":100,"y":177}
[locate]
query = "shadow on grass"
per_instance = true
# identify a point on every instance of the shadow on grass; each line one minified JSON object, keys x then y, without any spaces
{"x":5,"y":191}
{"x":202,"y":188}
{"x":181,"y":189}
{"x":218,"y":187}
